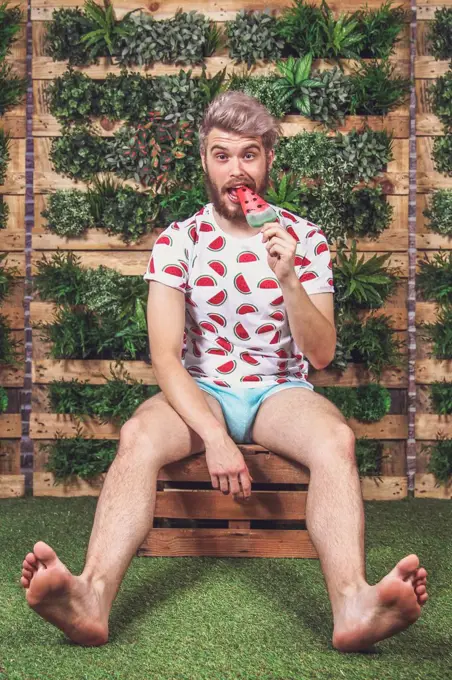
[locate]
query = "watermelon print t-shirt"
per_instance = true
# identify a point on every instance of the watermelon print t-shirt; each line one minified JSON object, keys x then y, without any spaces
{"x":236,"y":328}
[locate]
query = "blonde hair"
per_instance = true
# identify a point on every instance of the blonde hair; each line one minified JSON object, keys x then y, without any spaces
{"x":235,"y":111}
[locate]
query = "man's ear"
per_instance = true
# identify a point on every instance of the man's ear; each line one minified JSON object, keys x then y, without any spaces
{"x":203,"y":161}
{"x":271,"y":158}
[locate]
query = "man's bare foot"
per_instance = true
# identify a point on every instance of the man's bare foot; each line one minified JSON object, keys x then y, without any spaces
{"x":64,"y":600}
{"x":374,"y":613}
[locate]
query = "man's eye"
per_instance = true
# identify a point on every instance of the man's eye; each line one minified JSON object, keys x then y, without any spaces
{"x":221,"y":154}
{"x":250,"y":154}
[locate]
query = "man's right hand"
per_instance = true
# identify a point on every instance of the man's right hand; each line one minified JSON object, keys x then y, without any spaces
{"x":227,"y":468}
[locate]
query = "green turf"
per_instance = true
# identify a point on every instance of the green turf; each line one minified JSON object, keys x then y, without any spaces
{"x":196,"y":619}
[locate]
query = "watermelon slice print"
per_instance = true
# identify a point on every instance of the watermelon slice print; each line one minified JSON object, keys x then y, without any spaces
{"x":175,"y":226}
{"x":193,"y":234}
{"x":302,"y":261}
{"x":205,"y":226}
{"x":330,"y":264}
{"x":330,"y":282}
{"x":228,"y":367}
{"x":205,"y":281}
{"x":245,"y":356}
{"x":283,"y":365}
{"x":251,"y":378}
{"x":282,"y":354}
{"x":225,"y":344}
{"x":246,"y":309}
{"x":222,"y":383}
{"x":308,"y":276}
{"x":200,"y":212}
{"x":184,"y":265}
{"x":218,"y":319}
{"x":288,"y":216}
{"x":151,"y":267}
{"x":320,"y":248}
{"x":278,"y":316}
{"x":209,"y":327}
{"x":241,"y":284}
{"x":195,"y":369}
{"x":247,"y":256}
{"x":256,"y":210}
{"x":276,"y":338}
{"x":268,"y":283}
{"x":311,"y":233}
{"x":217,"y":244}
{"x":217,"y":352}
{"x":218,"y":267}
{"x":293,"y":233}
{"x":280,"y":381}
{"x":266,"y":328}
{"x":196,"y":331}
{"x":241,"y":332}
{"x":279,"y":300}
{"x":218,"y":299}
{"x":164,"y":241}
{"x":196,"y":350}
{"x":173,"y":270}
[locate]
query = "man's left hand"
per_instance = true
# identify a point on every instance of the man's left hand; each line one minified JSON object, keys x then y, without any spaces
{"x":281,"y":248}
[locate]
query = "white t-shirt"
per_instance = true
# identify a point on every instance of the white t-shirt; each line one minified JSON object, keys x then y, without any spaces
{"x":236,"y":328}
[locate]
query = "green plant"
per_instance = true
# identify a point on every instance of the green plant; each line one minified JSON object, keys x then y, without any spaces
{"x":308,"y":154}
{"x":439,"y":334}
{"x":68,"y":213}
{"x":342,"y":36}
{"x":330,"y":101}
{"x":107,"y":30}
{"x":368,"y":212}
{"x":64,"y":34}
{"x":3,"y":400}
{"x":381,"y":28}
{"x":60,"y":279}
{"x":86,"y":458}
{"x":187,"y":38}
{"x":131,"y":214}
{"x":115,"y":401}
{"x":286,"y":191}
{"x":300,"y":28}
{"x":440,"y":34}
{"x":101,"y":191}
{"x":362,"y":154}
{"x":440,"y":463}
{"x":12,"y":88}
{"x":295,"y":84}
{"x":434,"y":279}
{"x":369,"y":457}
{"x":261,"y":88}
{"x":180,"y":97}
{"x":372,"y":343}
{"x":253,"y":36}
{"x":342,"y":397}
{"x":362,"y":283}
{"x":373,"y":403}
{"x":7,"y":276}
{"x":442,"y":154}
{"x":441,"y":392}
{"x":125,"y":97}
{"x":78,"y":153}
{"x":439,"y":212}
{"x":159,"y":152}
{"x":440,"y":95}
{"x":376,"y":89}
{"x":5,"y":143}
{"x":8,"y":345}
{"x":179,"y":202}
{"x":10,"y":18}
{"x":4,"y":213}
{"x":72,"y":96}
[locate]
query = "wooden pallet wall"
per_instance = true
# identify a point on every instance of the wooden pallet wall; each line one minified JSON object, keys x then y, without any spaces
{"x":428,"y":370}
{"x":97,"y":248}
{"x":12,"y":241}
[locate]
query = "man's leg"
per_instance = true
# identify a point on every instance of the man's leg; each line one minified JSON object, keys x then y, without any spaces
{"x":80,"y":605}
{"x":303,"y":425}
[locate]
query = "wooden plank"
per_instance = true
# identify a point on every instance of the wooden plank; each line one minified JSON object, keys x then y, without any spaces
{"x":10,"y":425}
{"x":42,"y":9}
{"x":426,"y":11}
{"x":46,"y":370}
{"x":12,"y":486}
{"x":428,"y":178}
{"x":15,"y":172}
{"x":384,"y":488}
{"x":426,"y":312}
{"x":428,"y":425}
{"x":427,"y":487}
{"x":14,"y":121}
{"x":433,"y":370}
{"x":10,"y":457}
{"x":232,"y":542}
{"x":429,"y":68}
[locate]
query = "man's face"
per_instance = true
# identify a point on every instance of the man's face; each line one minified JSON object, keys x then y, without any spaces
{"x":232,"y":160}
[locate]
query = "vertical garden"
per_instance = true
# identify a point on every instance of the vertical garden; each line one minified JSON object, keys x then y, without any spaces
{"x":118,"y":92}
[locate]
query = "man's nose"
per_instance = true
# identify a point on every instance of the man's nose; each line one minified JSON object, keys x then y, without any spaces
{"x":236,"y":166}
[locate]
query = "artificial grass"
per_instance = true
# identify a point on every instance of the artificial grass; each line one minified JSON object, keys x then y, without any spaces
{"x":223,"y":619}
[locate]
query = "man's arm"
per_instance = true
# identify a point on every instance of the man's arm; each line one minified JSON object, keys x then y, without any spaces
{"x":166,"y":321}
{"x":311,"y":320}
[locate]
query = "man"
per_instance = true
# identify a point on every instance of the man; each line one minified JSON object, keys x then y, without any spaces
{"x":232,"y":314}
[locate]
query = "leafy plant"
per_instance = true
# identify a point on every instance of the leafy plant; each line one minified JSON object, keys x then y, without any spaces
{"x":86,"y":458}
{"x":439,"y":334}
{"x":361,"y":283}
{"x":342,"y":36}
{"x":434,"y":279}
{"x":72,"y":96}
{"x":308,"y":154}
{"x":439,"y":212}
{"x":5,"y":143}
{"x":366,"y":403}
{"x":296,"y":84}
{"x":441,"y":392}
{"x":3,"y":400}
{"x":4,"y":213}
{"x":261,"y":88}
{"x":286,"y":191}
{"x":180,"y":202}
{"x":60,"y":279}
{"x":440,"y":95}
{"x":362,"y":154}
{"x":369,"y":457}
{"x":131,"y":214}
{"x":376,"y":89}
{"x":78,"y":153}
{"x":107,"y":31}
{"x":125,"y":97}
{"x":10,"y":18}
{"x":442,"y":154}
{"x":8,"y":345}
{"x":440,"y":34}
{"x":101,"y":191}
{"x":179,"y":96}
{"x":381,"y":28}
{"x":440,"y":463}
{"x":7,"y":276}
{"x":368,"y":213}
{"x":12,"y":88}
{"x":253,"y":36}
{"x":330,"y":102}
{"x":300,"y":28}
{"x":63,"y":38}
{"x":68,"y":213}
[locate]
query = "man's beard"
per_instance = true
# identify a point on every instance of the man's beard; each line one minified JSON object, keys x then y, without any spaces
{"x":221,"y":203}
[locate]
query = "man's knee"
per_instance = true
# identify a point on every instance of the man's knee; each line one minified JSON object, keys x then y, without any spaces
{"x":140,"y":434}
{"x":340,"y":442}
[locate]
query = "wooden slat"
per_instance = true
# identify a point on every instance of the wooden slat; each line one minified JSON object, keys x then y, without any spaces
{"x":432,"y":370}
{"x":10,"y":425}
{"x":15,"y":172}
{"x":427,"y":487}
{"x":14,"y":121}
{"x":426,"y":312}
{"x":12,"y":486}
{"x":426,"y":10}
{"x":42,"y":9}
{"x":10,"y":457}
{"x":11,"y":377}
{"x":384,"y":488}
{"x":428,"y":178}
{"x":227,"y":543}
{"x":428,"y":67}
{"x":429,"y":424}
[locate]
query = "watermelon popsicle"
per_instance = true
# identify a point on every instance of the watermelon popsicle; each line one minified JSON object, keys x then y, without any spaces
{"x":256,"y":210}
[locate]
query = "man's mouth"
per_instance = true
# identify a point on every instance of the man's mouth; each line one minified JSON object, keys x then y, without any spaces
{"x":232,"y":193}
